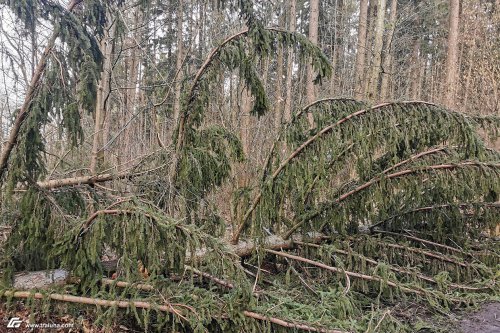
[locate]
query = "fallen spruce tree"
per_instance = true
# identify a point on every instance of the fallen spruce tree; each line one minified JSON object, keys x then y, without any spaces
{"x":348,"y":224}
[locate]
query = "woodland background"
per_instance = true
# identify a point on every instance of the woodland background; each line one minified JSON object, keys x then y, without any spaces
{"x":325,"y":166}
{"x":439,"y":51}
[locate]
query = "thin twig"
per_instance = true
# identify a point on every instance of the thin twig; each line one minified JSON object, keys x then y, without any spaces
{"x":423,"y":241}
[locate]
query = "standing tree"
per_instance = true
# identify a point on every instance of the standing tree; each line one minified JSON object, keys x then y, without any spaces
{"x":387,"y":63}
{"x":313,"y":37}
{"x":373,"y":80}
{"x":371,"y":205}
{"x":360,"y":51}
{"x":289,"y":63}
{"x":452,"y":54}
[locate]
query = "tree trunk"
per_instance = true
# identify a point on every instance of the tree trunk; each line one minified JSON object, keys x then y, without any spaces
{"x":202,"y":7}
{"x":415,"y":72}
{"x":377,"y":51}
{"x":361,"y":51}
{"x":313,"y":37}
{"x":245,"y":107}
{"x":178,"y":63}
{"x":370,"y":33}
{"x":244,"y":248}
{"x":279,"y":80}
{"x":3,"y":108}
{"x":130,"y":138}
{"x":387,"y":64}
{"x":337,"y":47}
{"x":452,"y":54}
{"x":101,"y":101}
{"x":23,"y":112}
{"x":289,"y":63}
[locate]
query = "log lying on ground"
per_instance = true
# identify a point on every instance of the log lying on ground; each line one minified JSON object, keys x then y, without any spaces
{"x":45,"y":279}
{"x":41,"y":279}
{"x":246,"y":248}
{"x":170,"y":308}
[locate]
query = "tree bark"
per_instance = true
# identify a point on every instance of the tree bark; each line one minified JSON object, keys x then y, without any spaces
{"x":387,"y":64}
{"x":101,"y":99}
{"x":415,"y":72}
{"x":370,"y":33}
{"x":176,"y":310}
{"x":337,"y":48}
{"x":287,"y":114}
{"x":279,"y":80}
{"x":377,"y":51}
{"x":361,"y":51}
{"x":313,"y":37}
{"x":178,"y":62}
{"x":133,"y":63}
{"x":452,"y":54}
{"x":245,"y":107}
{"x":244,"y":248}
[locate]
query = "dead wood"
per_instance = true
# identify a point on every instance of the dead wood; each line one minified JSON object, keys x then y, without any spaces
{"x":170,"y":308}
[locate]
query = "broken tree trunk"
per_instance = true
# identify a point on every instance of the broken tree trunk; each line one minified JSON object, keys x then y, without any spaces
{"x":175,"y":309}
{"x":45,"y":279}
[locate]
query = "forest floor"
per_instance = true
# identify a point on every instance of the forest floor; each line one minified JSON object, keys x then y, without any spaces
{"x":486,"y":320}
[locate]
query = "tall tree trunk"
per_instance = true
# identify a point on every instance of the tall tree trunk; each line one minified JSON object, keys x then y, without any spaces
{"x":178,"y":62}
{"x":97,"y":154}
{"x":361,"y":50}
{"x":377,"y":51}
{"x":468,"y":79}
{"x":245,"y":107}
{"x":337,"y":44}
{"x":370,"y":34}
{"x":415,"y":71}
{"x":130,"y":138}
{"x":452,"y":54}
{"x":202,"y":7}
{"x":387,"y":64}
{"x":233,"y":103}
{"x":3,"y":107}
{"x":289,"y":63}
{"x":313,"y":37}
{"x":279,"y":93}
{"x":279,"y":80}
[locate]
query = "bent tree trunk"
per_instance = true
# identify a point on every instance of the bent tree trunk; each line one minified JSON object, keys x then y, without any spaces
{"x":23,"y":112}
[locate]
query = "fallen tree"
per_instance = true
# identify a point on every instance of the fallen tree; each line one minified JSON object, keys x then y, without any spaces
{"x":414,"y":165}
{"x":175,"y":309}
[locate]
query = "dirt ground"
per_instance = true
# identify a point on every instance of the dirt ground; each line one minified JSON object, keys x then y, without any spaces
{"x":486,"y":320}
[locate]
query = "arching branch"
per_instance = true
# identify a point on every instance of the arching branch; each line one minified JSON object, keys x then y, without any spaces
{"x":391,"y":176}
{"x":301,"y":148}
{"x":434,"y":207}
